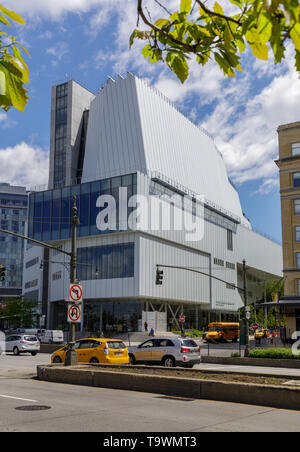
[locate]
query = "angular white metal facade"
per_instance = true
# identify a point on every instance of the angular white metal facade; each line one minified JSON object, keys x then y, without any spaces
{"x":134,"y":129}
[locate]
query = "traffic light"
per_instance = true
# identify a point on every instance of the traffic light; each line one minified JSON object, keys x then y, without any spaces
{"x":159,"y":277}
{"x":2,"y":273}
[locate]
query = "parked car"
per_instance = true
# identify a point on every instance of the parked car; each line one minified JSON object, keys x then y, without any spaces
{"x":51,"y":336}
{"x":22,"y":343}
{"x":91,"y":350}
{"x":166,"y":351}
{"x":262,"y":333}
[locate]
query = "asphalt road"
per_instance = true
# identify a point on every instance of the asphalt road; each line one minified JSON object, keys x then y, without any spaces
{"x":86,"y":409}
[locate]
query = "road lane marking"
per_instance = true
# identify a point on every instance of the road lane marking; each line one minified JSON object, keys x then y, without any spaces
{"x":17,"y":398}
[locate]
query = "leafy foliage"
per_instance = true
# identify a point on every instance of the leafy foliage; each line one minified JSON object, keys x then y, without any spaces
{"x":18,"y":313}
{"x":14,"y":72}
{"x":273,"y":353}
{"x":208,"y":33}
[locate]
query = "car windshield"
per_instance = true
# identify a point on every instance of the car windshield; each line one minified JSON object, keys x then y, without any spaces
{"x":30,"y":338}
{"x":215,"y":329}
{"x":189,"y":343}
{"x":116,"y":345}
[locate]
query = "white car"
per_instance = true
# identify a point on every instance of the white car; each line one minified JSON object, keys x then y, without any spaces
{"x":166,"y":351}
{"x":22,"y":343}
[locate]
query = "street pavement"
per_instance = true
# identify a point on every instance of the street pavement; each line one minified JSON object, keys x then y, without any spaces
{"x":86,"y":409}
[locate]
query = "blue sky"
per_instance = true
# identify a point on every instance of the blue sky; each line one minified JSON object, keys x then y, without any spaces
{"x":88,"y":40}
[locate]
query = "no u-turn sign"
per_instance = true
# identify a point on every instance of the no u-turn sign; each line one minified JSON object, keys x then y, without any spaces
{"x":74,"y":313}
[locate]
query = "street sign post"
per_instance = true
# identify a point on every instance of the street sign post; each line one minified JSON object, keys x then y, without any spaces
{"x":182,"y":318}
{"x":74,"y":313}
{"x":254,"y":326}
{"x":75,"y":293}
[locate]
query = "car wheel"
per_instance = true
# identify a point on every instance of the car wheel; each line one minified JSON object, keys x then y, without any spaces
{"x":57,"y":360}
{"x":132,"y":360}
{"x":16,"y":351}
{"x":33,"y":353}
{"x":94,"y":361}
{"x":168,"y":361}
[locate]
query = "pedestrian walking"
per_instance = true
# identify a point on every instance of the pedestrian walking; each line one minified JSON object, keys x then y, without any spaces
{"x":151,"y":332}
{"x":146,"y":326}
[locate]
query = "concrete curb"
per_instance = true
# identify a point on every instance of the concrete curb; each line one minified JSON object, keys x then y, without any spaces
{"x":251,"y":394}
{"x":257,"y":362}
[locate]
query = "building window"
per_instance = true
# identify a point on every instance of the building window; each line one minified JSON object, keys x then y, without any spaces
{"x":219,"y":262}
{"x":296,"y":179}
{"x":297,"y":233}
{"x":33,"y":283}
{"x":32,"y":262}
{"x":229,"y":240}
{"x":295,"y":149}
{"x":298,"y":260}
{"x":230,"y":265}
{"x":106,"y":262}
{"x":297,"y":206}
{"x":230,"y":286}
{"x":56,"y":276}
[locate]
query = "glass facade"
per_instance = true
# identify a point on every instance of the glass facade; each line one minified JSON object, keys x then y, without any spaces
{"x":102,"y":316}
{"x":13,"y":213}
{"x":106,"y":262}
{"x":50,"y":212}
{"x":60,"y":135}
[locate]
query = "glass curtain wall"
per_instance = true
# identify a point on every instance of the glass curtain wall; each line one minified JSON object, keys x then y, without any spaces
{"x":50,"y":212}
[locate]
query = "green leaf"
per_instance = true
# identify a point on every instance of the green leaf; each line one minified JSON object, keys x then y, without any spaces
{"x":2,"y":83}
{"x":4,"y":21}
{"x":186,"y":6}
{"x":295,"y":35}
{"x":15,"y":91}
{"x":144,"y":35}
{"x":260,"y":51}
{"x":179,"y":66}
{"x":12,"y":15}
{"x":161,"y":23}
{"x":218,"y":9}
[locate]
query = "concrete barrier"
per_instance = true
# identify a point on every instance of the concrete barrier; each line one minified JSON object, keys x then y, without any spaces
{"x":258,"y":362}
{"x":251,"y":394}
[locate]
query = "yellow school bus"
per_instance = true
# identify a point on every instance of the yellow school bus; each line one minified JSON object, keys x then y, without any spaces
{"x":222,"y":332}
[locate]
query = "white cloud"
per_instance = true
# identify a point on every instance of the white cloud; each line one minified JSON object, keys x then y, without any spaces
{"x":24,"y":165}
{"x":53,"y":8}
{"x":59,"y":50}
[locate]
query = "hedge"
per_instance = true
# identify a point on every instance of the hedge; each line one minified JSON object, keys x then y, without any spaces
{"x":273,"y":353}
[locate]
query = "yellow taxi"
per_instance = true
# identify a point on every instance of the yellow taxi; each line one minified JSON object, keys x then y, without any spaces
{"x":262,"y":333}
{"x":91,"y":350}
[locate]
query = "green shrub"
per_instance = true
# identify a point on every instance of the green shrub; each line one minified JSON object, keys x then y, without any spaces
{"x":273,"y":353}
{"x":235,"y":355}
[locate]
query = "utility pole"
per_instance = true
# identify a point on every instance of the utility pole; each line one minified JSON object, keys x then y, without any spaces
{"x":247,"y":312}
{"x":73,"y":269}
{"x":71,"y":355}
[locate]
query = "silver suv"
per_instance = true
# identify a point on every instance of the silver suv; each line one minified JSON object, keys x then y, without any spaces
{"x":22,"y":343}
{"x":166,"y":351}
